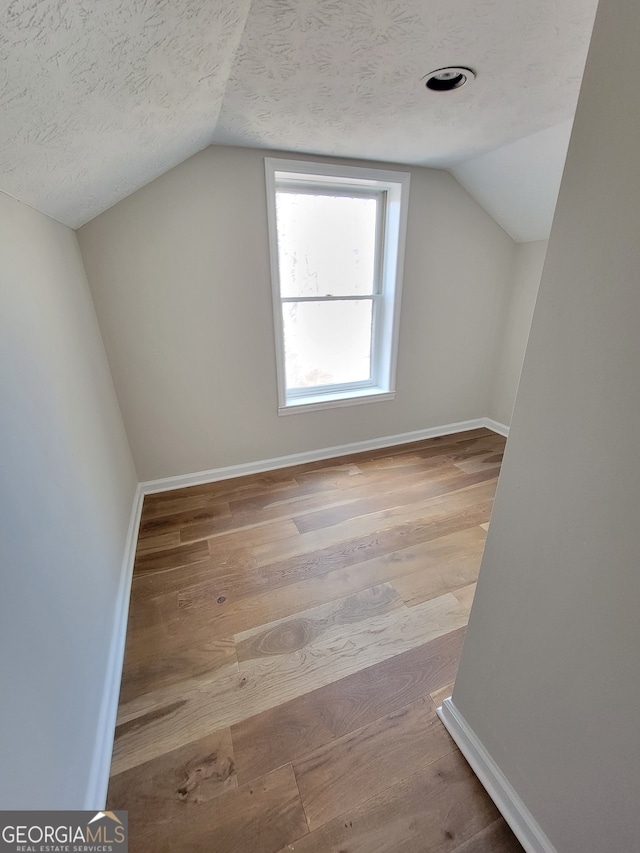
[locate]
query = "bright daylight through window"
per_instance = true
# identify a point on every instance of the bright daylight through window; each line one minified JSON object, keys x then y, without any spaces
{"x":337,"y":244}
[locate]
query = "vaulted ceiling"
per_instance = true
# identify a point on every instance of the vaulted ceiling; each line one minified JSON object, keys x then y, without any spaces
{"x":97,"y":99}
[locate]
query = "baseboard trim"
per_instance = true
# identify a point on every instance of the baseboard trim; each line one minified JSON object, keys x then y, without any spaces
{"x":517,"y":815}
{"x":96,"y":796}
{"x":496,"y":426}
{"x":165,"y":484}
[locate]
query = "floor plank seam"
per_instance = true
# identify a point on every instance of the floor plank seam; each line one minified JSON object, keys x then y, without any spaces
{"x":304,"y":811}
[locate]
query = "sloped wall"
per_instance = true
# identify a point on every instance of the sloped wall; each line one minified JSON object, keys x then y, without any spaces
{"x":67,"y":483}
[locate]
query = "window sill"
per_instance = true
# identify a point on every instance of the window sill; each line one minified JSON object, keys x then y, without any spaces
{"x":299,"y":405}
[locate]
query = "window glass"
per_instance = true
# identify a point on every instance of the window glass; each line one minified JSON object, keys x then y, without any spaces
{"x":326,"y":244}
{"x":327,"y":343}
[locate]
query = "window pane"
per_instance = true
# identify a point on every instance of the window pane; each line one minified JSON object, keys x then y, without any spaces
{"x":327,"y":343}
{"x":326,"y":244}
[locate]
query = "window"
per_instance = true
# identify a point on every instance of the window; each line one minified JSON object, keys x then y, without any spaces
{"x":337,"y":249}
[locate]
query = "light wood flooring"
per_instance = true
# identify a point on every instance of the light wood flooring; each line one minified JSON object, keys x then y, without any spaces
{"x":290,"y":637}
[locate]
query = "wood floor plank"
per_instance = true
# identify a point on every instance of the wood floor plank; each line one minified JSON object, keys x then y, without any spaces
{"x":379,"y":543}
{"x":478,"y":446}
{"x":346,"y":772}
{"x":433,"y":447}
{"x":313,"y":490}
{"x":441,"y":507}
{"x":438,"y":696}
{"x":327,"y":469}
{"x":448,"y":479}
{"x":375,"y":472}
{"x":333,"y":653}
{"x":368,"y":459}
{"x":276,"y":658}
{"x":312,"y":495}
{"x":273,"y":647}
{"x":391,"y":543}
{"x":479,"y":463}
{"x":238,"y":536}
{"x":239,"y":564}
{"x":312,"y":626}
{"x":260,"y":817}
{"x":389,"y":470}
{"x":432,"y":581}
{"x":174,"y":522}
{"x":236,"y":611}
{"x":406,"y":543}
{"x":170,"y":558}
{"x":466,"y":594}
{"x":272,"y":510}
{"x":158,"y":541}
{"x":162,"y":641}
{"x":465,"y":449}
{"x":168,"y":668}
{"x":175,"y":786}
{"x":288,"y":731}
{"x":228,"y":609}
{"x":435,"y":509}
{"x":226,"y":489}
{"x":153,"y":612}
{"x":495,"y":838}
{"x":170,"y":503}
{"x":435,"y":810}
{"x":146,"y":729}
{"x":285,"y":504}
{"x":396,"y":461}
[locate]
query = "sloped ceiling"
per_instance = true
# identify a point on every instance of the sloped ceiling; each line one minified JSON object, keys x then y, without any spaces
{"x":518,"y":183}
{"x":99,"y":98}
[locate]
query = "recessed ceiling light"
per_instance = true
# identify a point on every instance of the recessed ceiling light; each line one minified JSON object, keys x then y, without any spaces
{"x":446,"y":79}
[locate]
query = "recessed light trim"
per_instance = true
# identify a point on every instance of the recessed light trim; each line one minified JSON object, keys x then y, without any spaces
{"x":449,"y":78}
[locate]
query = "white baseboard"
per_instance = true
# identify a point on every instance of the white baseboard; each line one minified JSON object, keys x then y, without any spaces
{"x":517,"y":815}
{"x":200,"y":477}
{"x":96,"y":796}
{"x":496,"y":426}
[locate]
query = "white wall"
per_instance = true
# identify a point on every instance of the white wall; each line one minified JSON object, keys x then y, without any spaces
{"x":180,"y":277}
{"x":66,"y":487}
{"x":513,"y":343}
{"x":549,"y":673}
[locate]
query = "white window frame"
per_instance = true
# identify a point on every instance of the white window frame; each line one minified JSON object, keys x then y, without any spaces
{"x":392,"y":188}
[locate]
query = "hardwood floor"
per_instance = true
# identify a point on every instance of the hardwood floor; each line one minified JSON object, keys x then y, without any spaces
{"x":290,"y":637}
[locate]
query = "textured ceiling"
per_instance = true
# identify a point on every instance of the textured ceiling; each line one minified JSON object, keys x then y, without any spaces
{"x":344,"y":78}
{"x":98,"y":98}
